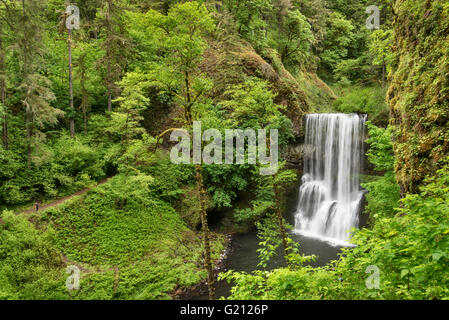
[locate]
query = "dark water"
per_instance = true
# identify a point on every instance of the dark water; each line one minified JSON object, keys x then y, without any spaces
{"x":244,"y":256}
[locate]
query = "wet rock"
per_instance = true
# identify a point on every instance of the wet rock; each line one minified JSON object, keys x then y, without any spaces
{"x":294,"y":155}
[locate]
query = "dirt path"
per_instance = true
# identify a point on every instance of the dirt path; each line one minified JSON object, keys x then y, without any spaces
{"x":59,"y":201}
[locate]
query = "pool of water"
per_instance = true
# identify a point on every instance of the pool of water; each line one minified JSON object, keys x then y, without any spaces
{"x":244,"y":257}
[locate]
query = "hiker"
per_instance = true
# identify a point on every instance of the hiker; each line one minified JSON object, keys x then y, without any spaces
{"x":37,"y":206}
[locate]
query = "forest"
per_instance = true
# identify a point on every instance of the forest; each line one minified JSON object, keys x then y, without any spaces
{"x":338,"y":170}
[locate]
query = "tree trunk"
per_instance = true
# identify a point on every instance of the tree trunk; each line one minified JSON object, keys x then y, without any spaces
{"x":203,"y":214}
{"x":206,"y":234}
{"x":188,"y":107}
{"x":109,"y":100}
{"x":72,"y":108}
{"x":108,"y":76}
{"x":108,"y":58}
{"x":85,"y":120}
{"x":84,"y":93}
{"x":3,"y":96}
{"x":281,"y":223}
{"x":5,"y":119}
{"x":29,"y":129}
{"x":28,"y":112}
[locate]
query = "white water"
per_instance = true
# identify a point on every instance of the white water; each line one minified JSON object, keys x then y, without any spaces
{"x":330,"y":195}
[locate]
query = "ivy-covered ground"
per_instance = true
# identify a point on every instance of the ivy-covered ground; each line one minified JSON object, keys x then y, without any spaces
{"x":127,"y":244}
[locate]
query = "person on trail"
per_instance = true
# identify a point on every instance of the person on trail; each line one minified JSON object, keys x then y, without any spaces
{"x":37,"y":206}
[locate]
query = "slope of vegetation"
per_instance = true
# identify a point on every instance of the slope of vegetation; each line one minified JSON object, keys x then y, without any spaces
{"x":127,"y":242}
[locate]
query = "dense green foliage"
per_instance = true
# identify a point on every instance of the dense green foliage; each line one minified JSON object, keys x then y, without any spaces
{"x":29,"y":263}
{"x":130,"y":63}
{"x":363,"y":100}
{"x":143,"y":68}
{"x":383,"y":192}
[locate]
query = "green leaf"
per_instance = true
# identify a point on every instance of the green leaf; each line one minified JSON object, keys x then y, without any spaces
{"x":437,"y":256}
{"x":404,"y":272}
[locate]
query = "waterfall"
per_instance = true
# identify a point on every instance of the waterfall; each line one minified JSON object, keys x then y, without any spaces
{"x":330,"y":194}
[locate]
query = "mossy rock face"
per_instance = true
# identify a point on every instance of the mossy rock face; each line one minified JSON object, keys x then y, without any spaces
{"x":231,"y":63}
{"x":419,"y":89}
{"x":294,"y":155}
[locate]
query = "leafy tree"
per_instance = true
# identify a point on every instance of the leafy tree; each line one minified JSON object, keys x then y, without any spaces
{"x":72,"y":107}
{"x":111,"y":22}
{"x":249,"y":17}
{"x":368,"y":100}
{"x":316,"y":13}
{"x":251,"y":105}
{"x":181,"y":35}
{"x":89,"y":92}
{"x":126,"y":121}
{"x":85,"y":103}
{"x":279,"y":182}
{"x":380,"y":46}
{"x":4,"y":113}
{"x":337,"y":41}
{"x":296,"y":40}
{"x":269,"y":205}
{"x":35,"y":87}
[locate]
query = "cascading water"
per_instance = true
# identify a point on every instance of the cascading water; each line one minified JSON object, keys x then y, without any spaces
{"x":330,"y":195}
